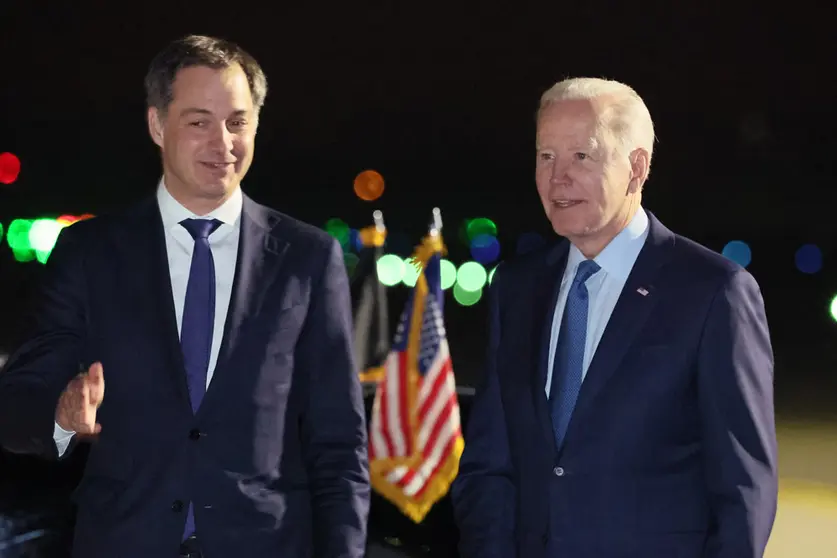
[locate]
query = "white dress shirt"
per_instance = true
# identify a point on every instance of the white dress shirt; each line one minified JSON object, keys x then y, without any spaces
{"x":603,"y":288}
{"x":179,"y":247}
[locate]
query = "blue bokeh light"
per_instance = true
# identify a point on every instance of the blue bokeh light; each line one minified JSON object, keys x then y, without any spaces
{"x":809,"y":258}
{"x":739,"y":252}
{"x":485,"y":249}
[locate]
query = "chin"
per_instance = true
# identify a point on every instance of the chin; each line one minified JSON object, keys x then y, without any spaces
{"x":568,"y":227}
{"x":217,"y":190}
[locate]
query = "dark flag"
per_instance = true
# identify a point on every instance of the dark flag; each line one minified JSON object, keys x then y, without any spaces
{"x":369,"y":305}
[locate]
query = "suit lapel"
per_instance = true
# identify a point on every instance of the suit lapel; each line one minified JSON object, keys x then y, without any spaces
{"x":629,"y":316}
{"x":260,"y":252}
{"x":147,"y":237}
{"x":545,"y":299}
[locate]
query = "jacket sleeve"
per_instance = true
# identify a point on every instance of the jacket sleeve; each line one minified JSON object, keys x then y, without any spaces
{"x":735,"y":382}
{"x":334,"y":422}
{"x":484,"y":493}
{"x":50,"y":356}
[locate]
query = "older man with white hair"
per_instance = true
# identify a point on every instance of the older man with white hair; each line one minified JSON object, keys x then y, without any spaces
{"x":627,"y":405}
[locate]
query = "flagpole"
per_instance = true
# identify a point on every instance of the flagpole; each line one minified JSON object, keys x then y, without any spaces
{"x":436,"y":228}
{"x":378,"y":216}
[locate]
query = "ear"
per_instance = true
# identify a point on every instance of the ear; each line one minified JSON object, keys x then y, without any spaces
{"x":640,"y":164}
{"x":155,"y":126}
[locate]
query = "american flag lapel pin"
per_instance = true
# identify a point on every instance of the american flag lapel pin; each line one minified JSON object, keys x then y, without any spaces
{"x":643,"y":291}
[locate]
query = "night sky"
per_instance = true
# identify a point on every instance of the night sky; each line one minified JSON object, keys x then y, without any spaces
{"x":441,"y":100}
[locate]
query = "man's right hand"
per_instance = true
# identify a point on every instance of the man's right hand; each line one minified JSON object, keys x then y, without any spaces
{"x":81,"y":399}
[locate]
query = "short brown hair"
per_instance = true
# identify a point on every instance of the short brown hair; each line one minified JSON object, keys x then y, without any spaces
{"x":199,"y":50}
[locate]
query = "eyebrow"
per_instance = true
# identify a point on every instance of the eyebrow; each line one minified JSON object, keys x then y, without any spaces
{"x":193,"y":111}
{"x":590,"y":144}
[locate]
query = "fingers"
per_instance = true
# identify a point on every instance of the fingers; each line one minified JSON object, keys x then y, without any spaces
{"x":95,"y":381}
{"x":78,"y":405}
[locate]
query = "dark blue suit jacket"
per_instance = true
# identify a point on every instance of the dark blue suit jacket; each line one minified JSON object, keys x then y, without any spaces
{"x":275,"y":458}
{"x":671,"y":451}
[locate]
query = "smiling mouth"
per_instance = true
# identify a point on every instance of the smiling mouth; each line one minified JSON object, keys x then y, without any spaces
{"x":216,"y":166}
{"x":564,"y":204}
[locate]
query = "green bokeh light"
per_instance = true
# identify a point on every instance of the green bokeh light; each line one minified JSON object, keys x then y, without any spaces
{"x":339,"y":229}
{"x":411,"y":273}
{"x":471,"y":276}
{"x":466,"y":298}
{"x":18,"y":235}
{"x":390,"y":269}
{"x":351,"y":260}
{"x":42,"y":235}
{"x":481,"y":225}
{"x":448,"y":273}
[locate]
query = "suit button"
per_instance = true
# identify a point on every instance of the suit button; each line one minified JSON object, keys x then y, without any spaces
{"x":194,"y":434}
{"x":177,"y":506}
{"x":559,"y":471}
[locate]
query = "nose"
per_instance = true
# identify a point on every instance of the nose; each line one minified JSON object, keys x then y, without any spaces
{"x":222,"y":140}
{"x":558,"y":173}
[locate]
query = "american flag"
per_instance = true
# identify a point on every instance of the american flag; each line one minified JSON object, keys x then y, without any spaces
{"x":415,"y":440}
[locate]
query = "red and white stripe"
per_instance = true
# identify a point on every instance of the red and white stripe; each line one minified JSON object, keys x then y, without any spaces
{"x":437,"y":420}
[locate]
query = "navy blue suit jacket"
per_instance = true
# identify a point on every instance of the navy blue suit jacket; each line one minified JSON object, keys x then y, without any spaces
{"x":275,"y":458}
{"x":671,"y":450}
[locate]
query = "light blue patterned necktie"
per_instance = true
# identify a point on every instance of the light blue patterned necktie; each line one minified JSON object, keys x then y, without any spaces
{"x":568,"y":366}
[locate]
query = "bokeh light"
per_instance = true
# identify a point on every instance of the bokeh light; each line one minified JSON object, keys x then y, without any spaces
{"x":18,"y":234}
{"x":68,"y":219}
{"x":390,"y":269}
{"x":448,"y":273}
{"x":351,"y":260}
{"x":485,"y":249}
{"x":369,"y":185}
{"x":471,"y":276}
{"x":411,"y":273}
{"x":339,"y":230}
{"x":18,"y":239}
{"x":465,"y":297}
{"x":43,"y":233}
{"x":739,"y":252}
{"x":480,"y":226}
{"x":833,"y":308}
{"x":809,"y":258}
{"x":9,"y":168}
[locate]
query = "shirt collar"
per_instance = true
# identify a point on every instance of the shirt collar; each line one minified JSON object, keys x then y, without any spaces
{"x":618,"y":257}
{"x":173,"y":212}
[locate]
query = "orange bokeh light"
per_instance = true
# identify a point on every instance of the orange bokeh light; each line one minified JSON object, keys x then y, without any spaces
{"x":369,"y":185}
{"x":67,"y":219}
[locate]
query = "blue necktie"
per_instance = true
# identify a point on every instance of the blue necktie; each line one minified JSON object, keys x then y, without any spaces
{"x":198,"y":320}
{"x":568,"y":366}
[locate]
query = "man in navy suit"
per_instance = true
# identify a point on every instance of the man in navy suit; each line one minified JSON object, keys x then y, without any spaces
{"x":232,"y":423}
{"x":627,"y":407}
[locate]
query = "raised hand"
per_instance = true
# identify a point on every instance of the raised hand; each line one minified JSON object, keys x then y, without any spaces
{"x":81,"y":399}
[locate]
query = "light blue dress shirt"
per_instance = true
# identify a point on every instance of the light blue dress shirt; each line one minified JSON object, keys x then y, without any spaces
{"x":604,"y":288}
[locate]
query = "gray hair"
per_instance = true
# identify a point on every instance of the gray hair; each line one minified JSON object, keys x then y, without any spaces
{"x":199,"y":50}
{"x":624,"y":115}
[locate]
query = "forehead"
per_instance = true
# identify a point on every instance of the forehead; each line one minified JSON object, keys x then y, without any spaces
{"x":204,"y":87}
{"x":567,"y":121}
